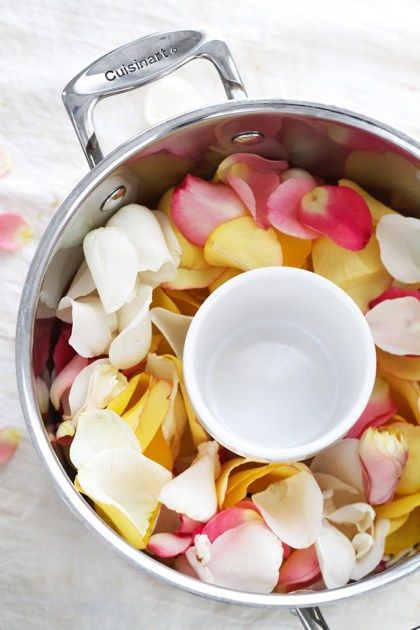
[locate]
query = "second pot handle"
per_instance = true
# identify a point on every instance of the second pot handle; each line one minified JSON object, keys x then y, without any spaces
{"x":310,"y":618}
{"x":139,"y":63}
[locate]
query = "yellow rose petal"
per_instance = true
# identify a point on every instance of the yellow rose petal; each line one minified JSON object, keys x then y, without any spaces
{"x":239,"y":482}
{"x":295,"y":250}
{"x":159,"y":451}
{"x":243,"y":245}
{"x":154,"y":412}
{"x":377,"y":208}
{"x":406,"y":536}
{"x":406,"y":395}
{"x":410,"y":479}
{"x":399,"y":507}
{"x":401,"y":366}
{"x":226,"y":275}
{"x":162,"y":300}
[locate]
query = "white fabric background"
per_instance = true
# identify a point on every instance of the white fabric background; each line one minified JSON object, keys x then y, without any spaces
{"x":361,"y":55}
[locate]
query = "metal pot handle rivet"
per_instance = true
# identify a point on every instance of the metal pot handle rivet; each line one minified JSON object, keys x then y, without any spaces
{"x":136,"y":64}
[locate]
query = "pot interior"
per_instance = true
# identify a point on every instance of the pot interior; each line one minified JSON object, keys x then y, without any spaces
{"x":322,"y":141}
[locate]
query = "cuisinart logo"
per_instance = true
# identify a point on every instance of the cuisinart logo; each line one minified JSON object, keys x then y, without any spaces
{"x":139,"y":64}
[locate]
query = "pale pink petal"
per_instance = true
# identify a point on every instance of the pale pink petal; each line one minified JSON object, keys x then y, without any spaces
{"x":246,"y":558}
{"x":395,"y":292}
{"x":113,"y":263}
{"x":292,"y":509}
{"x":9,"y":441}
{"x":168,"y":545}
{"x":299,"y":568}
{"x":372,"y":558}
{"x":199,"y":206}
{"x":283,"y":207}
{"x":340,"y":213}
{"x":291,"y":173}
{"x":395,"y":325}
{"x":65,"y":379}
{"x":5,"y":163}
{"x":173,"y":326}
{"x":379,"y":409}
{"x":14,"y":232}
{"x":399,"y":239}
{"x":183,"y":565}
{"x":341,"y":460}
{"x":228,"y":519}
{"x":383,"y":455}
{"x":193,"y":492}
{"x":336,"y":556}
{"x":188,"y":525}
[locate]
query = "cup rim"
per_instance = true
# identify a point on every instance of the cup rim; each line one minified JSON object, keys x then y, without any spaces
{"x":276,"y":454}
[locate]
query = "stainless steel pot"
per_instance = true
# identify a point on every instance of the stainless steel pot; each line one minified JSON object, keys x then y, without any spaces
{"x":328,"y":141}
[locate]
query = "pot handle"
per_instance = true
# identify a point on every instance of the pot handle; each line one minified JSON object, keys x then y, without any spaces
{"x":139,"y":63}
{"x":310,"y":618}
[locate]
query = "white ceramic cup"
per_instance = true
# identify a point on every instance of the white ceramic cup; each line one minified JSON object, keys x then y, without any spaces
{"x":279,"y":363}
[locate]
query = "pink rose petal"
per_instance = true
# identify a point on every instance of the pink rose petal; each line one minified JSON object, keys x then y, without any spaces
{"x":341,"y":461}
{"x":9,"y":441}
{"x":14,"y":232}
{"x":63,"y":351}
{"x":283,"y":207}
{"x":383,"y":455}
{"x":169,"y":545}
{"x":228,"y":519}
{"x":379,"y":409}
{"x":254,"y":179}
{"x":301,"y":567}
{"x":395,"y":325}
{"x":199,"y":206}
{"x":394,"y":292}
{"x":65,"y":379}
{"x":340,"y":213}
{"x":188,"y":525}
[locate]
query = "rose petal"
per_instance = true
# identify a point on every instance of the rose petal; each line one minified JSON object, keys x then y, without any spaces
{"x":383,"y":455}
{"x":199,"y":206}
{"x":168,"y":545}
{"x":95,"y":386}
{"x":399,"y":239}
{"x":113,"y":263}
{"x":97,"y":431}
{"x":360,"y":274}
{"x":243,"y":245}
{"x":228,"y":519}
{"x":82,"y":283}
{"x":376,"y":208}
{"x":295,"y":250}
{"x":194,"y":278}
{"x":336,"y":556}
{"x":410,"y":478}
{"x":394,"y":292}
{"x":125,"y":484}
{"x":188,"y":525}
{"x":66,"y":378}
{"x":406,"y":395}
{"x":371,"y":559}
{"x":151,"y":417}
{"x":174,"y":327}
{"x":294,"y":172}
{"x":395,"y":325}
{"x":399,"y":506}
{"x":379,"y":409}
{"x":9,"y":441}
{"x":14,"y":232}
{"x":362,"y":544}
{"x":341,"y":460}
{"x":293,"y":509}
{"x":338,"y":212}
{"x":406,"y":536}
{"x":245,"y":558}
{"x":193,"y":492}
{"x":361,"y":515}
{"x":283,"y":207}
{"x":336,"y":493}
{"x":133,"y":342}
{"x":404,"y":367}
{"x":63,"y":352}
{"x":226,"y":275}
{"x":42,"y":395}
{"x":169,"y":235}
{"x":299,"y":568}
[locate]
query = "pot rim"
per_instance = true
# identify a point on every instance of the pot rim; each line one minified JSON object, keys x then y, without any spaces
{"x":24,"y":338}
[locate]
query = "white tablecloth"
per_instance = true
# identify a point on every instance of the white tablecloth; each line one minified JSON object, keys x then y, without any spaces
{"x":360,"y":55}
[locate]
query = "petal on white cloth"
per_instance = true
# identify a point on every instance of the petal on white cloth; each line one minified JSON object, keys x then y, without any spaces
{"x":247,"y":558}
{"x":99,"y":430}
{"x":132,"y":344}
{"x":142,"y":228}
{"x":293,"y":509}
{"x":371,"y":559}
{"x":126,"y":479}
{"x":336,"y":556}
{"x":92,"y":328}
{"x":173,"y":326}
{"x":399,"y":239}
{"x":342,"y":461}
{"x":395,"y":325}
{"x":193,"y":492}
{"x":113,"y":263}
